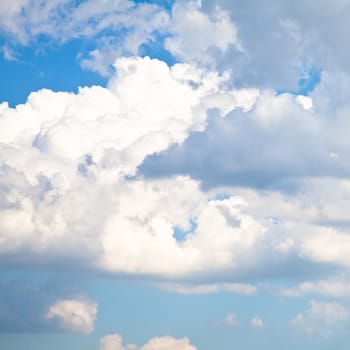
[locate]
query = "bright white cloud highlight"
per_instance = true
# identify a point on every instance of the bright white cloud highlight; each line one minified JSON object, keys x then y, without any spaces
{"x":74,"y":315}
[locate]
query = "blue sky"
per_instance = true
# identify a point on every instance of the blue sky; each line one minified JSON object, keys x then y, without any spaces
{"x":174,"y":175}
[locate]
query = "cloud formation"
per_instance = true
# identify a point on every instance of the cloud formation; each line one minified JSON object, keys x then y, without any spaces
{"x":194,"y":33}
{"x":67,"y":162}
{"x":231,"y":320}
{"x":257,"y":322}
{"x":255,"y":179}
{"x":114,"y":342}
{"x":182,"y":288}
{"x":320,"y":318}
{"x":74,"y":315}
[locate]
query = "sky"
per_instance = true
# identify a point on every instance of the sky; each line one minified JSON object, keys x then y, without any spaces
{"x":174,"y":175}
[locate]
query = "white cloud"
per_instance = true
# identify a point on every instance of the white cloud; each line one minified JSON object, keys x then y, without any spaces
{"x":64,"y":153}
{"x":63,"y":20}
{"x":140,"y":24}
{"x":195,"y":30}
{"x":181,"y":288}
{"x":114,"y":342}
{"x":331,"y":287}
{"x":286,"y":143}
{"x":111,"y":342}
{"x":303,"y":33}
{"x":121,"y":27}
{"x":320,"y":317}
{"x":23,"y":19}
{"x":234,"y":233}
{"x":305,"y":101}
{"x":328,"y":245}
{"x":257,"y":322}
{"x":74,"y":315}
{"x":66,"y":162}
{"x":231,"y":320}
{"x":168,"y":343}
{"x":194,"y":33}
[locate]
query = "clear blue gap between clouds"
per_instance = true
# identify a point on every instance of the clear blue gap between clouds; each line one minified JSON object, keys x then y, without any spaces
{"x":309,"y":78}
{"x":54,"y":68}
{"x":180,"y":234}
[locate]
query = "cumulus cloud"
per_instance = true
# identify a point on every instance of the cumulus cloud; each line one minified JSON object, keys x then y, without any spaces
{"x":194,"y":33}
{"x":274,"y":144}
{"x":74,"y":184}
{"x":165,"y":343}
{"x":63,"y":151}
{"x":114,"y":342}
{"x":256,"y":179}
{"x":257,"y":322}
{"x":320,"y":318}
{"x":74,"y":315}
{"x":63,"y":154}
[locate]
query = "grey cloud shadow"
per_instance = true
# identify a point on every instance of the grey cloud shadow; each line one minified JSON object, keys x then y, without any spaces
{"x":235,"y":151}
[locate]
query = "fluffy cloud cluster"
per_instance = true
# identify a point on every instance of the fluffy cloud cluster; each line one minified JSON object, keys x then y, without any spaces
{"x":74,"y":315}
{"x":67,"y":162}
{"x":122,"y":27}
{"x":24,"y":20}
{"x":114,"y":342}
{"x":304,"y":34}
{"x":228,"y":35}
{"x":275,"y":144}
{"x":111,"y":28}
{"x":194,"y":33}
{"x":75,"y":185}
{"x":71,"y":193}
{"x":204,"y":177}
{"x":320,"y":318}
